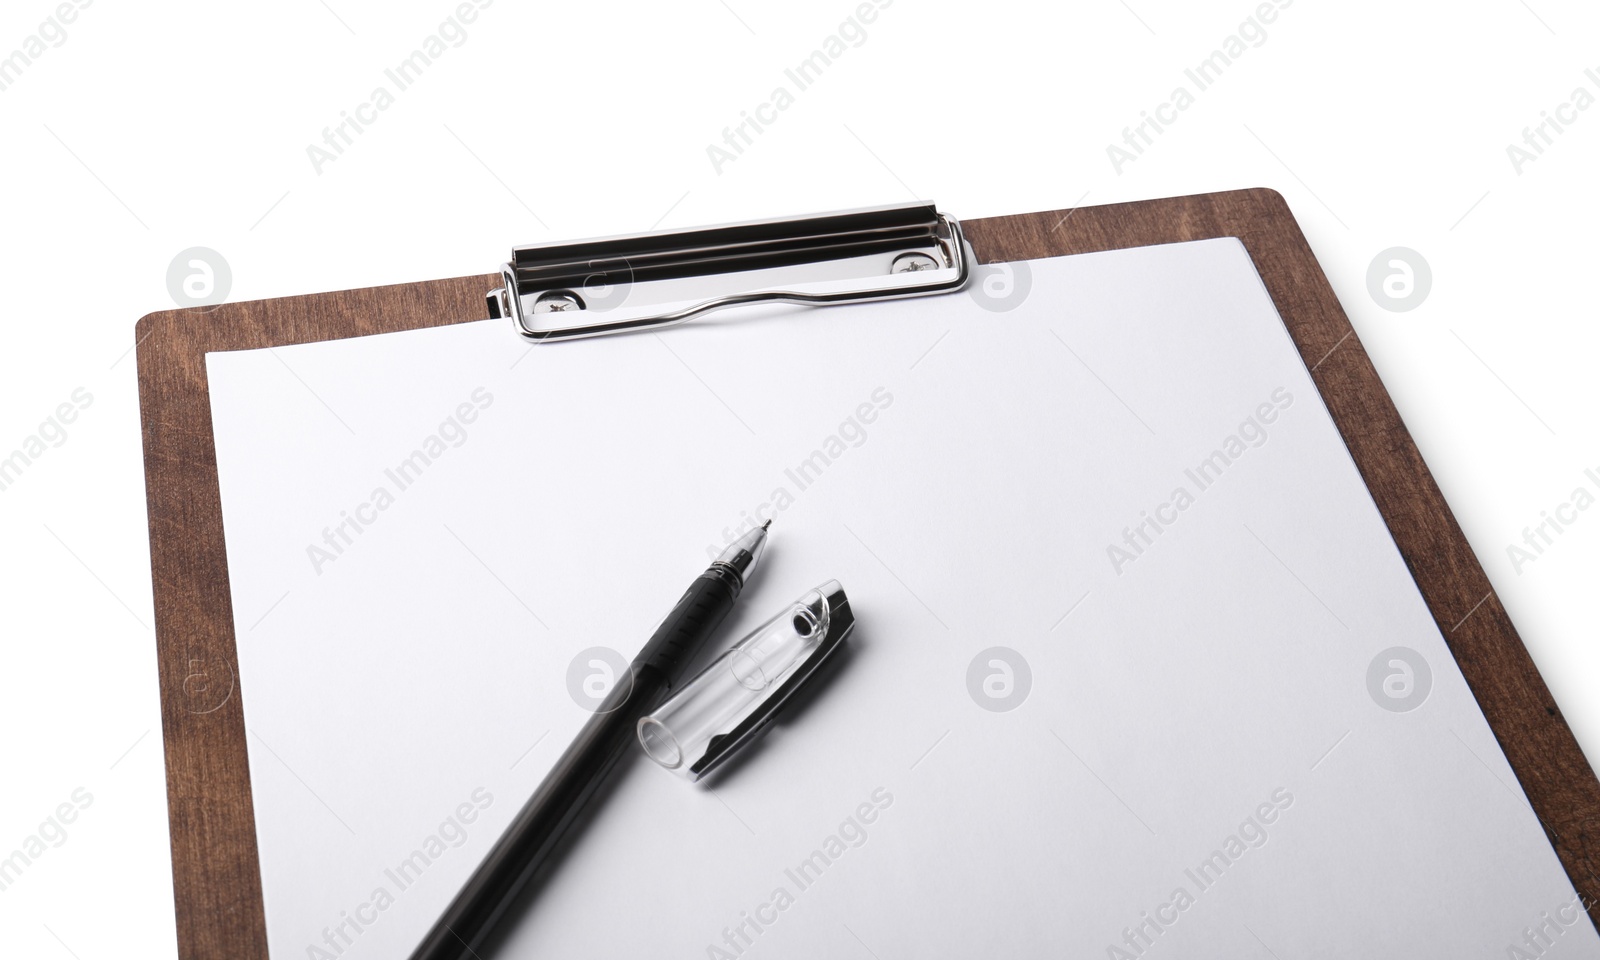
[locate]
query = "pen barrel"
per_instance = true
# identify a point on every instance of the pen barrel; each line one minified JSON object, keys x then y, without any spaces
{"x":694,"y":618}
{"x":565,"y":792}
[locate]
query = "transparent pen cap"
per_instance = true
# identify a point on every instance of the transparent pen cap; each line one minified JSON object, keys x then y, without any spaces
{"x":728,"y":703}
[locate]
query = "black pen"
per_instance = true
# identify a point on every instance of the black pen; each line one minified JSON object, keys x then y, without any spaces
{"x":536,"y":829}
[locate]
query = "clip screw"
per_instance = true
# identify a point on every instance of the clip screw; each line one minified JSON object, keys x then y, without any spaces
{"x":558,"y":301}
{"x":913,"y":263}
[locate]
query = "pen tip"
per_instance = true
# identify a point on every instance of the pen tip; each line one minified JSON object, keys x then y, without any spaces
{"x":767,"y":525}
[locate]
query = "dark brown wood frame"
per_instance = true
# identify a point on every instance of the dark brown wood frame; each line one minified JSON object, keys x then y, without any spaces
{"x":216,"y":876}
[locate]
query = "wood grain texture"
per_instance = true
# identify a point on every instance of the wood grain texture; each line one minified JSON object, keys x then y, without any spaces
{"x":216,"y":875}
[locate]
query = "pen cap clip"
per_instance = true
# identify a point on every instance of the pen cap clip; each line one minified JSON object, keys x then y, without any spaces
{"x":729,"y":702}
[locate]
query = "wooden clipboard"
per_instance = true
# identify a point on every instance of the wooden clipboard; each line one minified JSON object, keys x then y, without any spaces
{"x":216,"y":875}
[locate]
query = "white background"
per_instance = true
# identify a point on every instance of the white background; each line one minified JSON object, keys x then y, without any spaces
{"x":151,"y":130}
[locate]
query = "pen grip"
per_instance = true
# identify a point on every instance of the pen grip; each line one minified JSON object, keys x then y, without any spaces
{"x":696,"y":616}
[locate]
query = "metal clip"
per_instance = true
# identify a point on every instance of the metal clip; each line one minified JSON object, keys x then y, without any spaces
{"x":650,"y":280}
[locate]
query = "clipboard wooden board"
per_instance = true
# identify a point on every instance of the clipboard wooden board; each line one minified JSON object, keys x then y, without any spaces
{"x":216,"y":875}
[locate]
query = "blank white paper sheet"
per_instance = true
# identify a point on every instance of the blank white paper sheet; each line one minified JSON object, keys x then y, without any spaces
{"x":1137,"y":672}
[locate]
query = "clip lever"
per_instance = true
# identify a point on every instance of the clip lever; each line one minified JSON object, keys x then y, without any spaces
{"x":645,"y":281}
